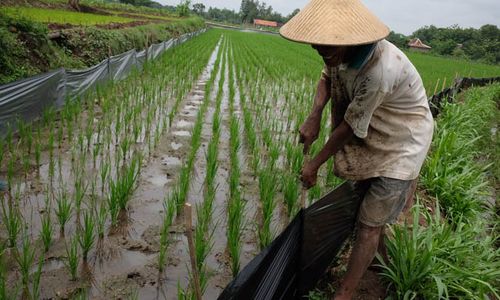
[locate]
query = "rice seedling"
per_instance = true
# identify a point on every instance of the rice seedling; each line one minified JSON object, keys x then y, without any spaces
{"x":63,"y":210}
{"x":164,"y":234}
{"x":25,"y":259}
{"x":290,"y":187}
{"x":101,"y":217}
{"x":95,"y":153}
{"x":72,"y":259}
{"x":35,"y":284}
{"x":267,"y":192}
{"x":10,"y":171}
{"x":46,"y":231}
{"x":38,"y":155}
{"x":104,"y":173}
{"x":6,"y":291}
{"x":86,"y":235}
{"x":80,"y":190}
{"x":60,"y":137}
{"x":122,"y":188}
{"x":12,"y":221}
{"x":124,"y":146}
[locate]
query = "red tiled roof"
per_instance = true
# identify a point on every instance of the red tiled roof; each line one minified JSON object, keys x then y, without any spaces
{"x":265,"y":23}
{"x":417,"y":43}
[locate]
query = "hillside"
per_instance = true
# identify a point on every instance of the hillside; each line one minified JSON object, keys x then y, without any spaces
{"x":42,"y":35}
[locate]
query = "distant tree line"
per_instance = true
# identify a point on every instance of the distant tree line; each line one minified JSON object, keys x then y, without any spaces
{"x":249,"y":10}
{"x":481,"y":44}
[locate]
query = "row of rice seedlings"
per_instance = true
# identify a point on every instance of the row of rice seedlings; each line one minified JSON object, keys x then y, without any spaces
{"x":180,"y":191}
{"x":236,"y":206}
{"x":203,"y":235}
{"x":268,"y":172}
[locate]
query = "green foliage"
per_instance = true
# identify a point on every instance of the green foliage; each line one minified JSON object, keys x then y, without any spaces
{"x":183,"y":8}
{"x":452,"y":172}
{"x":478,"y":44}
{"x":441,"y":261}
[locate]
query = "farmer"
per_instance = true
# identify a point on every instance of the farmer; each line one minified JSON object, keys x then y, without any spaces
{"x":382,"y":125}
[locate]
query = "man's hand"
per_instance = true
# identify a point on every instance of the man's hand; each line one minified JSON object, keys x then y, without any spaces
{"x":309,"y":131}
{"x":309,"y":175}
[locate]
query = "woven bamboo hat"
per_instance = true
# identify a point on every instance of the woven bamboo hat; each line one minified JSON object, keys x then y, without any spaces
{"x":336,"y":23}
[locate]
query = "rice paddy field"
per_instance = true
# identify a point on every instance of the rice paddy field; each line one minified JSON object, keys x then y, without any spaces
{"x":96,"y":191}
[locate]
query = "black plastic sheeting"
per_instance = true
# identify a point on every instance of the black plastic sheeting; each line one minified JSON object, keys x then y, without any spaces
{"x":460,"y":84}
{"x":294,"y":262}
{"x":26,"y":99}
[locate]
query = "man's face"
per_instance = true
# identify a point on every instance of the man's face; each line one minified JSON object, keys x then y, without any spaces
{"x":332,"y":56}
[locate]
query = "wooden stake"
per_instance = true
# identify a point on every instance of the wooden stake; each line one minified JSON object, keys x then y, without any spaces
{"x":189,"y":234}
{"x":436,"y":87}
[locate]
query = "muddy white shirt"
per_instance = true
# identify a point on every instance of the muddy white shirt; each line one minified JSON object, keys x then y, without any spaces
{"x":386,"y":106}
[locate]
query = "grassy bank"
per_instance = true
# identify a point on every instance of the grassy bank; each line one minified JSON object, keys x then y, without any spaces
{"x":26,"y":50}
{"x":452,"y":252}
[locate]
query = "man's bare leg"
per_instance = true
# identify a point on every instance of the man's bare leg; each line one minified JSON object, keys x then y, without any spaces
{"x":363,"y":252}
{"x":410,"y":200}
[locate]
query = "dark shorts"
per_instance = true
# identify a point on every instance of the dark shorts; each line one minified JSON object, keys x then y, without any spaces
{"x":383,"y":201}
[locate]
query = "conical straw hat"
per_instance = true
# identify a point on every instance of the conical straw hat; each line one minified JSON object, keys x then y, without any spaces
{"x":336,"y":23}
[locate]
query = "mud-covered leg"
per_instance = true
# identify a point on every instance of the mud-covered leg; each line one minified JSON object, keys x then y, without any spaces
{"x":363,"y":252}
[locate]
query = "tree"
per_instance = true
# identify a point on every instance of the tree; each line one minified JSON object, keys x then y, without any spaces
{"x":248,"y":10}
{"x":398,"y":39}
{"x":183,"y":8}
{"x":199,"y":8}
{"x":294,"y":12}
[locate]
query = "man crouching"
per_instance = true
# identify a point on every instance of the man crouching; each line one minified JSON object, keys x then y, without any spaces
{"x":382,"y":124}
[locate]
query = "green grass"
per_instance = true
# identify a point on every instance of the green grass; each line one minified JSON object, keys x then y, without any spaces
{"x":434,"y":68}
{"x":60,"y":16}
{"x":452,"y":171}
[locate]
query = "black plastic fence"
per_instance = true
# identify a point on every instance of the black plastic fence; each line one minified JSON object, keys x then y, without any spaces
{"x":290,"y":267}
{"x":460,"y":84}
{"x":26,"y":99}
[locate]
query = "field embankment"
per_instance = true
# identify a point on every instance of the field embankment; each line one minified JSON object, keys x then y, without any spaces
{"x":49,"y":34}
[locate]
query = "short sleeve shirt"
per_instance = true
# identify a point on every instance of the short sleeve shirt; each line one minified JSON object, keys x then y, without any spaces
{"x":385,"y":104}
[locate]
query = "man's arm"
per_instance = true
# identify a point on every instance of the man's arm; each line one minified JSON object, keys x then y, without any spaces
{"x":310,"y":129}
{"x":339,"y":137}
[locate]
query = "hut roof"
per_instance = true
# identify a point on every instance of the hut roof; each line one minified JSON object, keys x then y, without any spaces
{"x":417,"y":43}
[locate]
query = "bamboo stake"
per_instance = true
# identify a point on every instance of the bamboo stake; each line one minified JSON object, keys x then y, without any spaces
{"x":436,"y":87}
{"x":189,"y":234}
